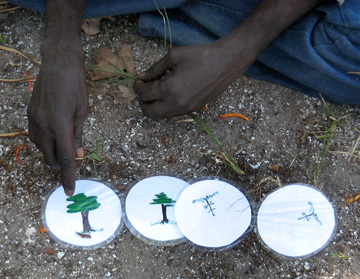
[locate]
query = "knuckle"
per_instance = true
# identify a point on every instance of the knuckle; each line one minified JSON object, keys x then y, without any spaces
{"x":67,"y":162}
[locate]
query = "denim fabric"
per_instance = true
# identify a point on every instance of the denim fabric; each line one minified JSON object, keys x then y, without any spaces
{"x":98,"y":8}
{"x":313,"y":56}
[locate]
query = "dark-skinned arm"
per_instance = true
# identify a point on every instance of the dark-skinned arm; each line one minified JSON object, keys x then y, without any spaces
{"x":59,"y":103}
{"x":187,"y":78}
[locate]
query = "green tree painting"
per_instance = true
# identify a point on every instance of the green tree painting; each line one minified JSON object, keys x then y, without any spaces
{"x":83,"y":204}
{"x":165,"y":202}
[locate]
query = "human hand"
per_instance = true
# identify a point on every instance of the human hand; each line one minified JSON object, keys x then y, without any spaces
{"x":57,"y":110}
{"x":186,"y":79}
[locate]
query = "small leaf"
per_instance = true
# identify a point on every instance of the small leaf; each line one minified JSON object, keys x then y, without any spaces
{"x":95,"y":156}
{"x":2,"y":39}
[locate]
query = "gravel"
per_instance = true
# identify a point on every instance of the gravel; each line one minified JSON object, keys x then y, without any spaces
{"x":282,"y":124}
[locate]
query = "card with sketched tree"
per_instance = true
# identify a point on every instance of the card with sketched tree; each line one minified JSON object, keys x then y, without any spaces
{"x":209,"y":204}
{"x":212,"y":213}
{"x":83,"y":204}
{"x":88,"y":219}
{"x":149,"y":208}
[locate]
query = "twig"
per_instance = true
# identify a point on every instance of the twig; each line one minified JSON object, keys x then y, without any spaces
{"x":346,"y":153}
{"x":11,"y":135}
{"x":184,"y":121}
{"x":21,"y":54}
{"x":17,"y":80}
{"x":8,"y":9}
{"x":257,"y":189}
{"x":354,"y":148}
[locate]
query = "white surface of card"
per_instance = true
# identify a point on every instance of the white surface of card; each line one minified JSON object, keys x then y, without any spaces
{"x":212,"y":213}
{"x":296,"y":220}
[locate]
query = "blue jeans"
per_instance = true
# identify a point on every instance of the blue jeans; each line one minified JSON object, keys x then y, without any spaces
{"x":314,"y":56}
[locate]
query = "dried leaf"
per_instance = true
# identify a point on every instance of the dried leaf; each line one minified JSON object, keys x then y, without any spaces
{"x":126,"y":55}
{"x":205,"y":108}
{"x":110,"y":65}
{"x":274,"y":167}
{"x":91,"y":26}
{"x":49,"y":251}
{"x":126,"y":95}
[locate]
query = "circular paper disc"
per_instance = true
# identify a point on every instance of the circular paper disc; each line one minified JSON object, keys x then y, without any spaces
{"x":103,"y":221}
{"x":212,"y":213}
{"x":296,"y":221}
{"x":149,"y":209}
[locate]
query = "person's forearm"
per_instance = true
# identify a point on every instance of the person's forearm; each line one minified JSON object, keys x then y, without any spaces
{"x":63,"y":23}
{"x":268,"y":20}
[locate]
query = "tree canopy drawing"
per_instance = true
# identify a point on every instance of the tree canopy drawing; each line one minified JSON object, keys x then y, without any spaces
{"x":83,"y":204}
{"x":209,"y":203}
{"x":165,"y":202}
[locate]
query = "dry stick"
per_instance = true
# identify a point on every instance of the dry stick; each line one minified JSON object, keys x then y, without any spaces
{"x":25,"y":56}
{"x":21,"y":54}
{"x":346,"y":153}
{"x":355,"y":146}
{"x":15,"y":134}
{"x":17,"y":80}
{"x":6,"y":9}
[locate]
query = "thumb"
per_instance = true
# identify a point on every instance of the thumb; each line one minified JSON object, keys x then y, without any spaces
{"x":158,"y":70}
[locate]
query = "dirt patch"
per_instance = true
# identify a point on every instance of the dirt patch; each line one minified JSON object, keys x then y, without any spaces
{"x":281,"y":127}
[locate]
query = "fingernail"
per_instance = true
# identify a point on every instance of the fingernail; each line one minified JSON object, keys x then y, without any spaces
{"x":141,"y":75}
{"x":69,"y":193}
{"x":80,"y":152}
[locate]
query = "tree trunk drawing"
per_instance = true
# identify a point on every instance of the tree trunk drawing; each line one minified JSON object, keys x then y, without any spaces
{"x":165,"y":219}
{"x":208,"y":203}
{"x":165,"y":202}
{"x":85,"y":220}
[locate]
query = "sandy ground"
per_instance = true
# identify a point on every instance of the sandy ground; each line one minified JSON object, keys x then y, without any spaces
{"x":282,"y":124}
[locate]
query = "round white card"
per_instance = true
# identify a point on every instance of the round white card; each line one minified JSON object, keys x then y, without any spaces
{"x":89,"y":219}
{"x":296,"y":221}
{"x":149,"y":209}
{"x":212,"y":213}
